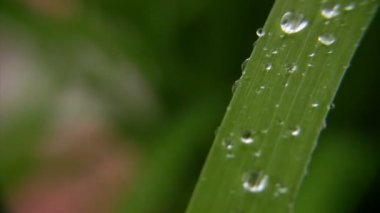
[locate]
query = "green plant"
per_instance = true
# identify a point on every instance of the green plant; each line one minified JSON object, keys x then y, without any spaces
{"x":264,"y":144}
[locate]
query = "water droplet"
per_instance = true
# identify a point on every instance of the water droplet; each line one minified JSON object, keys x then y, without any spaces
{"x":309,"y":64}
{"x":330,"y":11}
{"x":315,"y":105}
{"x":268,"y":67}
{"x":293,"y":22}
{"x":332,"y":106}
{"x":291,"y":68}
{"x":277,"y":105}
{"x":327,"y":39}
{"x":350,"y":6}
{"x":260,"y":89}
{"x":280,"y":190}
{"x":235,"y":85}
{"x":247,"y":137}
{"x":295,"y":131}
{"x":260,"y":32}
{"x":257,"y":154}
{"x":227,"y":143}
{"x":312,"y":54}
{"x":255,"y":182}
{"x":244,"y":64}
{"x":275,"y":52}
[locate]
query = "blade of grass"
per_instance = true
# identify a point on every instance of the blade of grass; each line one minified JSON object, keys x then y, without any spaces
{"x":279,"y":108}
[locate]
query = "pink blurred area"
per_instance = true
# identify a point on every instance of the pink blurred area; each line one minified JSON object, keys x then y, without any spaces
{"x":84,"y":168}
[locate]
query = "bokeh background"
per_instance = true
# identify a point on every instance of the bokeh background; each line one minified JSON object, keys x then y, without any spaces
{"x":111,"y":106}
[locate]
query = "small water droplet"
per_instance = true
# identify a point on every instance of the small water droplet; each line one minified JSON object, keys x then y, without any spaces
{"x":312,"y":54}
{"x":247,"y":137}
{"x":330,"y":51}
{"x":244,"y":64}
{"x":255,"y":182}
{"x":324,"y":124}
{"x":280,"y":190}
{"x":275,"y":52}
{"x":315,"y":104}
{"x":350,"y":6}
{"x":227,"y":144}
{"x":330,"y":11}
{"x":296,"y":131}
{"x":260,"y":89}
{"x":292,"y":22}
{"x":327,"y":39}
{"x":309,"y":64}
{"x":268,"y":67}
{"x":235,"y":85}
{"x":257,"y":154}
{"x":332,"y":106}
{"x":291,"y":68}
{"x":260,"y":32}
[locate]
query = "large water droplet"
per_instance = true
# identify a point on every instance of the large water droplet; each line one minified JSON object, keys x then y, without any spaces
{"x":327,"y":39}
{"x":247,"y":137}
{"x":260,"y":32}
{"x":293,"y":22}
{"x":255,"y":182}
{"x":330,"y":11}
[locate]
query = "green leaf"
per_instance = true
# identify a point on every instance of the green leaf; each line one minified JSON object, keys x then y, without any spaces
{"x":264,"y":144}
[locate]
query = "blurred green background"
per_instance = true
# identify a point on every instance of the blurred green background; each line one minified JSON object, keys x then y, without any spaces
{"x":143,"y":84}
